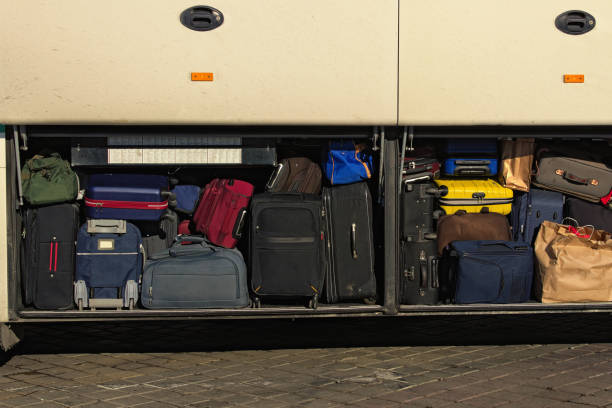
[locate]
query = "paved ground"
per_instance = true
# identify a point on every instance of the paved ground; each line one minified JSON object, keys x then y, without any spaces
{"x":512,"y":361}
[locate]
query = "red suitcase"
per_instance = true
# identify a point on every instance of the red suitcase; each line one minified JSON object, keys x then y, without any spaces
{"x":222,"y":211}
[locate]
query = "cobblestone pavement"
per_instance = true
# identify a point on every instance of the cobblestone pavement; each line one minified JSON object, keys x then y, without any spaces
{"x":460,"y":361}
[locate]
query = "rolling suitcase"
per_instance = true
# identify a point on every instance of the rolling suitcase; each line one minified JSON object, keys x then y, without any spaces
{"x":195,"y":276}
{"x":471,"y":157}
{"x":420,"y":164}
{"x":158,"y":235}
{"x":492,"y":271}
{"x":420,"y":275}
{"x":350,"y":248}
{"x":221,"y":212}
{"x":419,"y":280}
{"x":530,"y":209}
{"x":575,"y":169}
{"x":474,"y":196}
{"x":109,"y":264}
{"x":296,"y":175}
{"x":48,"y":255}
{"x":585,"y":213}
{"x":126,"y":196}
{"x":287,"y":246}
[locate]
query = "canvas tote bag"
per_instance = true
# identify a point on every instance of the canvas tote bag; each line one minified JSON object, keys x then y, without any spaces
{"x":573,"y":265}
{"x":516,"y":163}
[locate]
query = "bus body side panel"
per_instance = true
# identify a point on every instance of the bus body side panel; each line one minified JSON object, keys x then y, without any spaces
{"x":4,"y":284}
{"x":502,"y":63}
{"x":272,"y":62}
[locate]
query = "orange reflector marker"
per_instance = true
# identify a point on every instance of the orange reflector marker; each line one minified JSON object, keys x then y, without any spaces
{"x":201,"y":76}
{"x":573,"y":79}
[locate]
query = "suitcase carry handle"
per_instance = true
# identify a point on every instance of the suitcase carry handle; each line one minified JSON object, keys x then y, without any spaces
{"x":354,"y":240}
{"x":239,"y":225}
{"x":572,"y":178}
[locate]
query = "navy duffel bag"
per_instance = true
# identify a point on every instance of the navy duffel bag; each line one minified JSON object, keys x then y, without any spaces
{"x":492,"y":271}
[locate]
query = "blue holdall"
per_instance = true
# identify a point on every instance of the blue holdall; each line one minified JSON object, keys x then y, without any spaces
{"x":492,"y":271}
{"x":347,"y":162}
{"x":109,"y":263}
{"x":185,"y":198}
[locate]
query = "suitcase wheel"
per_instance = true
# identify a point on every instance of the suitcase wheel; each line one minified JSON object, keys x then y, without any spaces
{"x":255,"y":303}
{"x":80,"y":304}
{"x":131,"y":304}
{"x":370,"y":300}
{"x":314,"y":302}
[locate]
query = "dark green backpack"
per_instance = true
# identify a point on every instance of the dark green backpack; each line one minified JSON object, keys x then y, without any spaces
{"x":47,"y":179}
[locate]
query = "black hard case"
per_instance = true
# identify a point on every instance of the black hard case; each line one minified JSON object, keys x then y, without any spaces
{"x":417,"y":211}
{"x":286,"y":245}
{"x":48,"y":255}
{"x":419,"y":271}
{"x":350,"y":247}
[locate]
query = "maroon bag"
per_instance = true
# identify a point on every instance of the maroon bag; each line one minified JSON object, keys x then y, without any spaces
{"x":222,"y":211}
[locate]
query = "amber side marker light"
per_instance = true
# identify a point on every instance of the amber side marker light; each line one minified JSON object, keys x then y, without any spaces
{"x":573,"y":79}
{"x":201,"y":76}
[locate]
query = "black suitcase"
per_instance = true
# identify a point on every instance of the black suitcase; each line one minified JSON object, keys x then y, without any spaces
{"x":286,"y":246}
{"x":158,"y":235}
{"x":585,"y":213}
{"x":420,"y":276}
{"x":350,"y":248}
{"x":419,"y":272}
{"x":417,"y":211}
{"x":48,"y":254}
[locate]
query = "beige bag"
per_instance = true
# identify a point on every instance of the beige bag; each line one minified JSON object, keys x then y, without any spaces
{"x":516,"y":163}
{"x":572,"y":268}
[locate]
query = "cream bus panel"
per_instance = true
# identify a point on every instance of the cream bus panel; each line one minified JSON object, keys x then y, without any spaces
{"x":273,"y":62}
{"x":502,"y":62}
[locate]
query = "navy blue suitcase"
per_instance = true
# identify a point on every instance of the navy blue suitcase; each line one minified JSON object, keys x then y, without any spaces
{"x":126,"y":196}
{"x":470,"y":167}
{"x":109,"y":264}
{"x":530,"y":209}
{"x":471,"y":147}
{"x":492,"y":271}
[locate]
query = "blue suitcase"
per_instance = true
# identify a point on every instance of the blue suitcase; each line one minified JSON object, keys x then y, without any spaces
{"x":492,"y":271}
{"x":109,"y":263}
{"x":470,"y":167}
{"x":472,"y":147}
{"x":530,"y":209}
{"x":126,"y":196}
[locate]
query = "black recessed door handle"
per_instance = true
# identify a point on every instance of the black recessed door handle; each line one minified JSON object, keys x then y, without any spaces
{"x":201,"y":18}
{"x":575,"y":22}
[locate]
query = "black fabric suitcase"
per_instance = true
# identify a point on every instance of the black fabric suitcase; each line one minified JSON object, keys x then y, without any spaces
{"x":48,"y":255}
{"x":286,"y":246}
{"x":158,"y":235}
{"x":350,"y":248}
{"x":585,"y":213}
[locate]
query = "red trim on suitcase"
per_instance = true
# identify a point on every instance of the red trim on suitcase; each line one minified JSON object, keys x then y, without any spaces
{"x":50,"y":256}
{"x":131,"y":205}
{"x":55,"y":264}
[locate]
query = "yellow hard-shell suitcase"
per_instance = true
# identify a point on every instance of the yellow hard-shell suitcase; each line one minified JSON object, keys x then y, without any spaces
{"x":474,"y":196}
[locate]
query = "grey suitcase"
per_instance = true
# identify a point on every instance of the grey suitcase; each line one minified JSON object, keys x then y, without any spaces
{"x":195,"y":276}
{"x":582,"y":172}
{"x":159,"y":235}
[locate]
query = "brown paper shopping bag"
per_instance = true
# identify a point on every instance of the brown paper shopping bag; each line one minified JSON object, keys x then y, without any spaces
{"x":516,"y":163}
{"x":573,"y":267}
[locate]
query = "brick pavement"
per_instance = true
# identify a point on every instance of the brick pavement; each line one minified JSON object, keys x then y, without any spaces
{"x":509,"y":361}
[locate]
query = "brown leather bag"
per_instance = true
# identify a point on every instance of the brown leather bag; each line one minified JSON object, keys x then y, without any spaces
{"x":472,"y":227}
{"x":296,"y":175}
